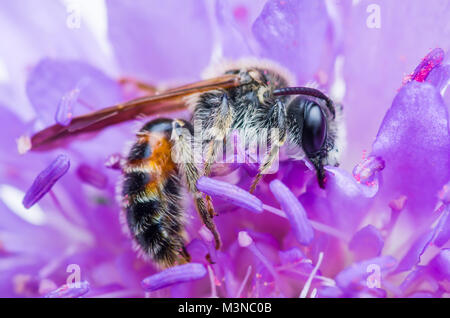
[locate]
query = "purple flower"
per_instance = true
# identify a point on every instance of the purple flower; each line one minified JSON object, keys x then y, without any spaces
{"x":381,"y":226}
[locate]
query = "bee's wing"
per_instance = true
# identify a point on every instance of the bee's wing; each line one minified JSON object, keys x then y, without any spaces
{"x":166,"y":102}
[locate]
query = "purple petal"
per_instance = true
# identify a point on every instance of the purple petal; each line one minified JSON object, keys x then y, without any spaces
{"x":328,"y":292}
{"x":412,"y":257}
{"x":348,"y":198}
{"x":355,"y":275}
{"x":294,"y":33}
{"x":56,"y":88}
{"x":402,"y":40}
{"x":440,"y":77}
{"x":197,"y":250}
{"x":366,"y":171}
{"x":442,"y":230}
{"x":368,"y":293}
{"x":421,"y":294}
{"x":444,"y":194}
{"x":174,"y":275}
{"x":92,"y":176}
{"x":234,"y":22}
{"x":414,"y":142}
{"x":148,"y":51}
{"x":295,"y":212}
{"x":440,"y":265}
{"x":367,"y":243}
{"x":46,"y":34}
{"x":46,"y":179}
{"x":295,"y":259}
{"x":73,"y":290}
{"x":414,"y":277}
{"x":231,"y":193}
{"x":342,"y":180}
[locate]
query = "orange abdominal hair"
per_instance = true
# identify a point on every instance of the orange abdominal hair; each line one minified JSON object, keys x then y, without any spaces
{"x":151,"y":195}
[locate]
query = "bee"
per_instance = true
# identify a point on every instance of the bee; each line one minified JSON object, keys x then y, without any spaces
{"x":252,"y":96}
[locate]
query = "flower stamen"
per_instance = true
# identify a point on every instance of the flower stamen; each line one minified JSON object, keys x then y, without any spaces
{"x":305,"y":289}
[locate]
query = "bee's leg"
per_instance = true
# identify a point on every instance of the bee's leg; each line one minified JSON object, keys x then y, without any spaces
{"x":207,"y":219}
{"x":265,"y":166}
{"x":222,"y":121}
{"x":184,"y":157}
{"x":138,"y":84}
{"x":223,"y":118}
{"x":276,"y":119}
{"x":210,"y":206}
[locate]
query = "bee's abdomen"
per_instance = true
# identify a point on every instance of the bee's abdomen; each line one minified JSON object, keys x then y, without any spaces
{"x":151,"y":194}
{"x":155,"y":222}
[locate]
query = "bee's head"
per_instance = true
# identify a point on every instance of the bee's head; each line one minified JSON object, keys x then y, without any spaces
{"x":313,"y":126}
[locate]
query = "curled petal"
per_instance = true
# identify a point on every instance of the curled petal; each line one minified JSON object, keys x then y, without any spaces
{"x":339,"y":178}
{"x":412,"y":257}
{"x":45,"y":180}
{"x":294,"y":211}
{"x":231,"y":193}
{"x":73,"y":290}
{"x":440,"y":265}
{"x":174,"y":275}
{"x":365,"y":172}
{"x":367,"y":243}
{"x":430,"y":61}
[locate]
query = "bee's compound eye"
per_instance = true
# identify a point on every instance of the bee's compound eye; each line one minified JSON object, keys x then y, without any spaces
{"x":314,"y":129}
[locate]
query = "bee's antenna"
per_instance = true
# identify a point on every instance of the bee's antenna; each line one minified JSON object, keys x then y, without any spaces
{"x":308,"y":91}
